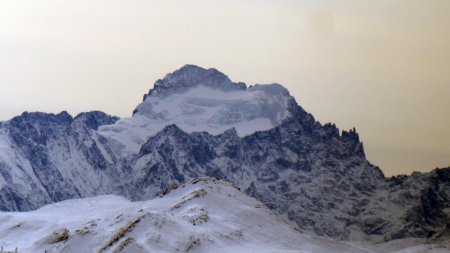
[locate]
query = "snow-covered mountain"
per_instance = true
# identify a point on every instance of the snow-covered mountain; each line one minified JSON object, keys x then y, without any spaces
{"x":191,"y":218}
{"x":46,"y":158}
{"x":196,"y":122}
{"x":197,"y":100}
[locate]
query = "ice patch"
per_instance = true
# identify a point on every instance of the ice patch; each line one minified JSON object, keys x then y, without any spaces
{"x":198,"y":109}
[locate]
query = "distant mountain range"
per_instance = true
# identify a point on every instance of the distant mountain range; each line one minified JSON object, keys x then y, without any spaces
{"x":196,"y":122}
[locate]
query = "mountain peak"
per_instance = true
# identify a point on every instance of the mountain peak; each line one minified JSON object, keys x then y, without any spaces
{"x":202,"y":100}
{"x":190,"y":76}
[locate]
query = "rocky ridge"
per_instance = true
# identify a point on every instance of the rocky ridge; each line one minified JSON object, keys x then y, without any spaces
{"x":311,"y":174}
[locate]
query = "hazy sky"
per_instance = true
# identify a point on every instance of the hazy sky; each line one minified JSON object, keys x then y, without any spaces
{"x":382,"y":66}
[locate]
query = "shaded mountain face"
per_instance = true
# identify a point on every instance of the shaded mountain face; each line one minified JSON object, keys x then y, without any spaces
{"x":46,"y":158}
{"x":196,"y":122}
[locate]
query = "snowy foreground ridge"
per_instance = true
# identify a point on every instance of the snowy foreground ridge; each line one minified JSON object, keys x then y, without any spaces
{"x":203,"y":215}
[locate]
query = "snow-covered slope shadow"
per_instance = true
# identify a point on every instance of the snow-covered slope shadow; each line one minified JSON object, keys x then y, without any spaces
{"x":203,"y":215}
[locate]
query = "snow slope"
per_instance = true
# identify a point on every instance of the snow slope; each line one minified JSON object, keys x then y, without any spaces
{"x":203,"y":215}
{"x":197,"y":104}
{"x":413,"y":245}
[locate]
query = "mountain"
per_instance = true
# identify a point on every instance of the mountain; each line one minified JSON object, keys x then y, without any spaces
{"x":185,"y":218}
{"x":197,"y":122}
{"x":199,"y":100}
{"x":47,"y":158}
{"x":191,"y":218}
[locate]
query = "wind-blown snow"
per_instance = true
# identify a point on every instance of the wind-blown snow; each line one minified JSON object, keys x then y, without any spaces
{"x":201,"y":108}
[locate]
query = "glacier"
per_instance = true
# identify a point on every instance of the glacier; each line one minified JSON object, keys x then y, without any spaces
{"x":200,"y":101}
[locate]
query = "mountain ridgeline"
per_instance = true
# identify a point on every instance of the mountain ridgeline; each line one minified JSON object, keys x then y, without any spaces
{"x":197,"y":122}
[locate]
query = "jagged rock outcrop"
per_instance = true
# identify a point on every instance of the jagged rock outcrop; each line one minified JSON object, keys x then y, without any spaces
{"x":50,"y":158}
{"x":196,"y":122}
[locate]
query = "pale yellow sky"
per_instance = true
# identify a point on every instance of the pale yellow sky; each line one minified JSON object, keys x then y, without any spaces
{"x":382,"y":66}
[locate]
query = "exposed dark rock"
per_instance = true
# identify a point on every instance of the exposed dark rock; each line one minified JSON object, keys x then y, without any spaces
{"x":308,"y":172}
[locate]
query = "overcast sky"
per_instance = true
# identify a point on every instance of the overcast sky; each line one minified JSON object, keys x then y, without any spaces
{"x":382,"y":66}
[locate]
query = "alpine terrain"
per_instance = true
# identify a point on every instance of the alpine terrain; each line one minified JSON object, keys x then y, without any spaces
{"x":191,"y":218}
{"x":196,"y":122}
